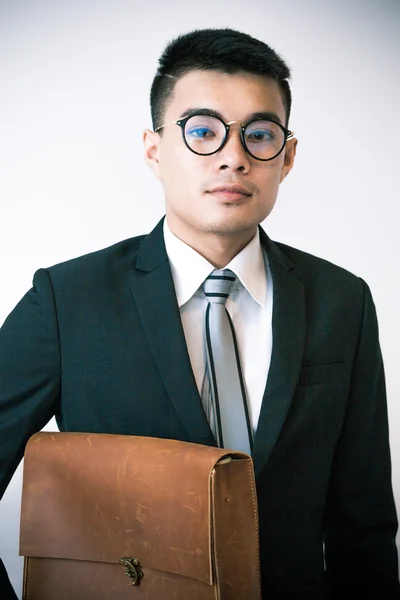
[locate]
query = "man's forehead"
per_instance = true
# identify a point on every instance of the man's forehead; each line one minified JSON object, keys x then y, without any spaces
{"x":240,"y":92}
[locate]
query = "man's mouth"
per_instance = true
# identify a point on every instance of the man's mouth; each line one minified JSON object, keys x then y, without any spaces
{"x":230,"y":192}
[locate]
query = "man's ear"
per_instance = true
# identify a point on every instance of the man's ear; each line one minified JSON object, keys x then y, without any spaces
{"x":151,"y":141}
{"x":288,"y":162}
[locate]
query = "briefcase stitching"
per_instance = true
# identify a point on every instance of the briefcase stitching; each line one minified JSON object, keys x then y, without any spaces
{"x":255,"y":509}
{"x":26,"y":578}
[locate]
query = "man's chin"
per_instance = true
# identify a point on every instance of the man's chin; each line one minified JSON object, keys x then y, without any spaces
{"x":233,"y":227}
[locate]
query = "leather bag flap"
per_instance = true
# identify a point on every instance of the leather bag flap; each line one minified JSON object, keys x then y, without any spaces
{"x":102,"y":497}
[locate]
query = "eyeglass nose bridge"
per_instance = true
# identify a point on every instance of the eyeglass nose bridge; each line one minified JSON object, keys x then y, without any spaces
{"x":242,"y":127}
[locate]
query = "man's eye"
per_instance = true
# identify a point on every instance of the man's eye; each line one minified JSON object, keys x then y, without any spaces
{"x":201,"y":133}
{"x":261,"y":135}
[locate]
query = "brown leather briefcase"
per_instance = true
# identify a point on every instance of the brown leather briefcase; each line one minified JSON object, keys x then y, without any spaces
{"x":129,"y":518}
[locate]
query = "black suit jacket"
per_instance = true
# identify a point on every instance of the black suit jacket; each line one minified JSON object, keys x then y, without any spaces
{"x":98,"y":342}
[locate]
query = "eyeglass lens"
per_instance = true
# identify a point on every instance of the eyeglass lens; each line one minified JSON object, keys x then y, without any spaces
{"x":205,"y":135}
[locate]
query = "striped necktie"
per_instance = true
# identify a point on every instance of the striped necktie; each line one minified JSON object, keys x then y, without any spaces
{"x":223,"y":393}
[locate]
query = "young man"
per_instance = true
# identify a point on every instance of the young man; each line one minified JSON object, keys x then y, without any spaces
{"x":113,"y":341}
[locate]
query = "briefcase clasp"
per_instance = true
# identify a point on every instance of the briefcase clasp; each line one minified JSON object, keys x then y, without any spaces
{"x":133,"y":569}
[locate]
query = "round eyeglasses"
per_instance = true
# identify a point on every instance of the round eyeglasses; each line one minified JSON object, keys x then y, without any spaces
{"x":263,"y":139}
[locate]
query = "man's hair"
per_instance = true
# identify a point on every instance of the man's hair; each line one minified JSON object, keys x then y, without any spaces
{"x":224,"y":50}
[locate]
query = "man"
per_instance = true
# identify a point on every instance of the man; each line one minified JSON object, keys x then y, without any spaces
{"x":113,"y":341}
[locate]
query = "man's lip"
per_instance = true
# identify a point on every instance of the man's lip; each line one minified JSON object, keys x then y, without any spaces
{"x":230,"y":189}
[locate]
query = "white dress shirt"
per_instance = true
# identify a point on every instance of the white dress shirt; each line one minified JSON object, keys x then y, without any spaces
{"x":249,"y":306}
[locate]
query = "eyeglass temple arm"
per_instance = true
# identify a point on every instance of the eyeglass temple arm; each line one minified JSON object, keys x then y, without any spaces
{"x":164,"y":125}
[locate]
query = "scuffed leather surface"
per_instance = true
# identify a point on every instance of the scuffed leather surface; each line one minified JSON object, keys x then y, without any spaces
{"x":56,"y":579}
{"x":235,"y":525}
{"x":90,"y":499}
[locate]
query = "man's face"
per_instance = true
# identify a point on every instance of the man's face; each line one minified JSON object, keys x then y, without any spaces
{"x":200,"y":193}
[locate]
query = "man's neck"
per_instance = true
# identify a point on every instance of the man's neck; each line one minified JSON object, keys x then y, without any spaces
{"x":217,"y":249}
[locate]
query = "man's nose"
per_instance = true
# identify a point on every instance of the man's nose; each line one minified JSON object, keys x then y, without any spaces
{"x":233,"y":155}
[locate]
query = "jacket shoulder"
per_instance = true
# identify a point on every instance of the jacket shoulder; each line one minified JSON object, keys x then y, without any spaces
{"x":308,"y":266}
{"x":116,"y":256}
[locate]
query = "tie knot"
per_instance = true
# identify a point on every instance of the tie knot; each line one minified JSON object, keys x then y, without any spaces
{"x":218,"y":285}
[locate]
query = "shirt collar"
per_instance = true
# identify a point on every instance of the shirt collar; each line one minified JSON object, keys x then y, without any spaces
{"x":249,"y":266}
{"x":189,"y":269}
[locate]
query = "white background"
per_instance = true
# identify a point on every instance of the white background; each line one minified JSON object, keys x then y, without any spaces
{"x":74,"y":85}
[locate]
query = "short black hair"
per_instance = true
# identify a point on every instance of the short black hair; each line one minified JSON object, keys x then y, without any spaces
{"x":224,"y":50}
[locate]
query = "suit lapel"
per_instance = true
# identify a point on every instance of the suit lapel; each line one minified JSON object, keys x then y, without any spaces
{"x":288,"y":330}
{"x":155,"y":299}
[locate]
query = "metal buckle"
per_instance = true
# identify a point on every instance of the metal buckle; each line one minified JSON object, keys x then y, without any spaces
{"x":133,"y":569}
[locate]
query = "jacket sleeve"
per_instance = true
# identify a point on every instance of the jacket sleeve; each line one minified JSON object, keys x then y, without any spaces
{"x":29,"y":380}
{"x":360,"y":548}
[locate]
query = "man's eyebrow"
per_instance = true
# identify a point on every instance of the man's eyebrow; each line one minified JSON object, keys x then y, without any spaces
{"x":267,"y":115}
{"x":190,"y":112}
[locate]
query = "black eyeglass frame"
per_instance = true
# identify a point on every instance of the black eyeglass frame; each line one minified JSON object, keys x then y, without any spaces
{"x":182,"y":123}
